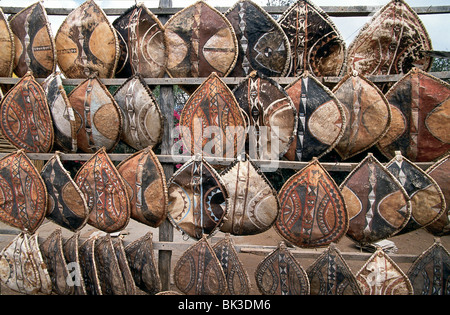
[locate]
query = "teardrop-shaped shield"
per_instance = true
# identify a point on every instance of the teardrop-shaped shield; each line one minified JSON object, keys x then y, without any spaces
{"x":313,"y":212}
{"x":321,"y":119}
{"x":330,"y":275}
{"x":33,"y":42}
{"x":89,"y":267}
{"x":25,"y":118}
{"x":263,"y":45}
{"x":86,"y":43}
{"x":367,"y":112}
{"x":46,"y":281}
{"x":198,"y":198}
{"x":199,"y":272}
{"x":316,"y":44}
{"x":253,"y":206}
{"x":142,"y":43}
{"x":271,"y":113}
{"x":430,"y":272}
{"x":105,"y":193}
{"x":7,"y":51}
{"x":119,"y":249}
{"x":392,"y":42}
{"x":143,"y":123}
{"x":279,"y":273}
{"x":72,"y":257}
{"x":380,"y":275}
{"x":427,"y":200}
{"x":24,"y":196}
{"x":420,"y":106}
{"x":378,"y":206}
{"x":144,"y":178}
{"x":199,"y":40}
{"x":211,"y":122}
{"x":97,"y":115}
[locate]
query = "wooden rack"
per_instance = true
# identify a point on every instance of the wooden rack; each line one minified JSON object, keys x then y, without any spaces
{"x":165,"y":245}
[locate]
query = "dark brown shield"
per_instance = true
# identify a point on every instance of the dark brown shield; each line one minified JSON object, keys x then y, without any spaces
{"x":105,"y":193}
{"x":279,"y":273}
{"x":200,"y":40}
{"x":380,"y":275}
{"x":33,"y":42}
{"x":197,"y":198}
{"x":89,"y":267}
{"x":263,"y":45}
{"x":46,"y":281}
{"x":211,"y":121}
{"x":321,"y":120}
{"x":119,"y":249}
{"x":439,"y":172}
{"x":391,"y":43}
{"x":52,"y":252}
{"x":7,"y":51}
{"x":330,"y":275}
{"x":25,"y":117}
{"x":142,"y":264}
{"x":430,"y":272}
{"x":238,"y":282}
{"x":272,"y":116}
{"x":71,"y":255}
{"x":199,"y":272}
{"x":420,"y":106}
{"x":87,"y":44}
{"x":367,"y":113}
{"x":378,"y":206}
{"x":24,"y":201}
{"x":427,"y":200}
{"x":63,"y":117}
{"x":253,"y":205}
{"x":97,"y":115}
{"x":313,"y":212}
{"x":142,"y":43}
{"x":66,"y":203}
{"x":144,"y":178}
{"x":316,"y":44}
{"x":143,"y":123}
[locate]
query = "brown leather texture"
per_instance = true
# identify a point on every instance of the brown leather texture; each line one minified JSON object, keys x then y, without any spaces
{"x":7,"y":51}
{"x":90,"y":274}
{"x":72,"y":257}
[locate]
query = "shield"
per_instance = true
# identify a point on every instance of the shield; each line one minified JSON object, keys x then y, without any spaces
{"x":24,"y":201}
{"x":105,"y":193}
{"x":25,"y":118}
{"x":64,"y":123}
{"x":320,"y":122}
{"x":87,"y":44}
{"x":253,"y":206}
{"x":199,"y":40}
{"x":67,"y":206}
{"x":33,"y":42}
{"x":313,"y":212}
{"x":144,"y":178}
{"x":330,"y":275}
{"x":430,"y":272}
{"x":199,"y":272}
{"x":97,"y":116}
{"x":46,"y":281}
{"x":280,"y":274}
{"x":213,"y":110}
{"x":378,"y":206}
{"x":263,"y":45}
{"x":125,"y":271}
{"x":197,"y":198}
{"x":272,"y":116}
{"x":427,"y":200}
{"x":238,"y":282}
{"x":89,"y":267}
{"x":420,"y":106}
{"x":367,"y":112}
{"x":315,"y":42}
{"x":439,"y":172}
{"x":380,"y":275}
{"x":7,"y":51}
{"x":142,"y":264}
{"x":142,"y":118}
{"x":391,"y":43}
{"x":70,"y":249}
{"x":142,"y":43}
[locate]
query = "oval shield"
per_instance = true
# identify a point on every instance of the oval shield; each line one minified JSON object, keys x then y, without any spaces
{"x":7,"y":51}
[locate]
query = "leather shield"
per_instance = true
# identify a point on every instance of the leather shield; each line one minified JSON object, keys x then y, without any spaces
{"x":89,"y":267}
{"x":46,"y":281}
{"x":72,"y":257}
{"x":7,"y":51}
{"x":119,"y":249}
{"x":87,"y":44}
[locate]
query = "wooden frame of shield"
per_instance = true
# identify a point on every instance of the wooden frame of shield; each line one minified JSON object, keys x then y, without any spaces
{"x":7,"y":52}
